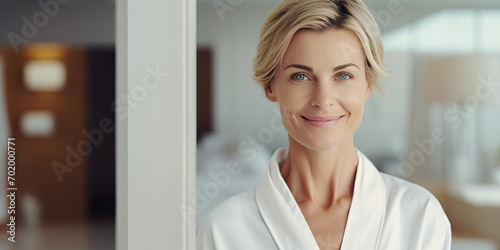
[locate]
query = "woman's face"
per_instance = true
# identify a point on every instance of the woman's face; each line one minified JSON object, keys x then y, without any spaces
{"x":321,"y":87}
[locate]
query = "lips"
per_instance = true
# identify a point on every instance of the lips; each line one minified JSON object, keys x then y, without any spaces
{"x":321,"y":121}
{"x":322,"y":118}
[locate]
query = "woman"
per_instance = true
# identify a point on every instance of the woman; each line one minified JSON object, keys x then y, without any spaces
{"x":320,"y":60}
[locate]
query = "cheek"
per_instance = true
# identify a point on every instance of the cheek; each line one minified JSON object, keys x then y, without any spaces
{"x":356,"y":115}
{"x":289,"y":111}
{"x":291,"y":98}
{"x":354,"y":104}
{"x":291,"y":103}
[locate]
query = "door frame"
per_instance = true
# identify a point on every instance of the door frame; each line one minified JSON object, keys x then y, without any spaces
{"x":155,"y":112}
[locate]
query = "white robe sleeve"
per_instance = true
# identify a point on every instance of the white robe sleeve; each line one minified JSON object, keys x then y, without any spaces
{"x":437,"y":233}
{"x":235,"y":224}
{"x":439,"y":241}
{"x":446,"y":244}
{"x":205,"y":239}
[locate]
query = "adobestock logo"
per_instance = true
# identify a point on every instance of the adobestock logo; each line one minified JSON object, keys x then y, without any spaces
{"x":384,"y":17}
{"x":222,"y":7}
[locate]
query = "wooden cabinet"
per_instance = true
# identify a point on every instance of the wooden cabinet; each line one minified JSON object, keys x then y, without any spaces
{"x":60,"y":199}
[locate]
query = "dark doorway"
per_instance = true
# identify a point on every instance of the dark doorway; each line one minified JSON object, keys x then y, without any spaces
{"x":101,"y":95}
{"x":204,"y":93}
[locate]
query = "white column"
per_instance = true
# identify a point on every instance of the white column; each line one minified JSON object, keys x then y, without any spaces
{"x":156,"y":123}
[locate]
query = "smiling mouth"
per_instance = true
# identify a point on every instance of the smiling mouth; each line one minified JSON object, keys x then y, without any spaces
{"x":322,"y":121}
{"x":322,"y":118}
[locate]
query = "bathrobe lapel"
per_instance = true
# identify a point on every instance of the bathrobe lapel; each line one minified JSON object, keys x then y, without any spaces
{"x":288,"y":226}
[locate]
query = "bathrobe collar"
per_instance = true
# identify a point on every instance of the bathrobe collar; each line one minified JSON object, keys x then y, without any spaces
{"x":288,"y":226}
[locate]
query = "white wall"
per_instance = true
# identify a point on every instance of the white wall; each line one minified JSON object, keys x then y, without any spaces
{"x":77,"y":22}
{"x":239,"y":102}
{"x":384,"y":128}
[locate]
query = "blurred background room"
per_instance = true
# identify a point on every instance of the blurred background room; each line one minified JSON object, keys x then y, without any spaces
{"x":435,"y":124}
{"x":57,"y":85}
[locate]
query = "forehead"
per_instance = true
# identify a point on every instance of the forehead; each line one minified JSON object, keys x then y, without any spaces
{"x":328,"y":48}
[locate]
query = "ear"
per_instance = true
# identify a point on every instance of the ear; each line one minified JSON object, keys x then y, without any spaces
{"x":368,"y":92}
{"x":270,"y":93}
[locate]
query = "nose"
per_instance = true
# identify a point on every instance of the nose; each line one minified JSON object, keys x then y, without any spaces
{"x":323,"y":95}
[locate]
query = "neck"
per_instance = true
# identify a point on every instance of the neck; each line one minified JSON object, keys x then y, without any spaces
{"x":321,"y":177}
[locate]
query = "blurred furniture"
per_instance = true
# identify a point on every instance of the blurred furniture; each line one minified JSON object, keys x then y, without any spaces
{"x":457,"y":88}
{"x":468,"y":243}
{"x":473,"y":211}
{"x":456,"y":92}
{"x":60,"y":199}
{"x":44,"y":75}
{"x":475,"y":208}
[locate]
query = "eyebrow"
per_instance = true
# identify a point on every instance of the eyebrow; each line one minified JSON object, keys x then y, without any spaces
{"x":300,"y":66}
{"x":343,"y":66}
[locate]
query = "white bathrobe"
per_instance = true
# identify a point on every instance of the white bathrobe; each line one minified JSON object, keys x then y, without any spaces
{"x":386,"y":213}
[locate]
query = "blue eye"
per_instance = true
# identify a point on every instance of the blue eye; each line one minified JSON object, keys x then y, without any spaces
{"x":344,"y":76}
{"x":299,"y":76}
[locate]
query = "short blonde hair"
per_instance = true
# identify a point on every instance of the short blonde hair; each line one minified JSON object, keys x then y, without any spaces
{"x":290,"y":16}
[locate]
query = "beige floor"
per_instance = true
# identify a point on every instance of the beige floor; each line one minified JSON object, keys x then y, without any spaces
{"x":97,"y":236}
